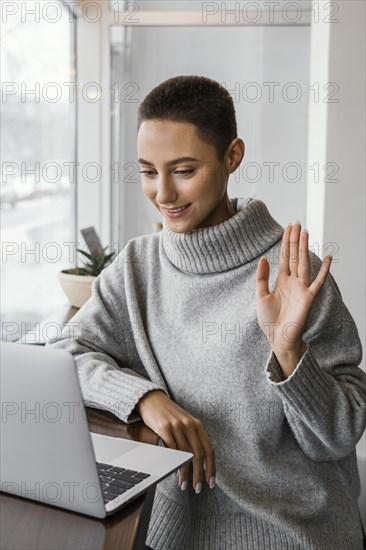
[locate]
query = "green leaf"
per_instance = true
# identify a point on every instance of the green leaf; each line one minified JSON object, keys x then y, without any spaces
{"x":95,"y":263}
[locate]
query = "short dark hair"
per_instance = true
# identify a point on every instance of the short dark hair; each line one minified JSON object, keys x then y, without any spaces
{"x":196,"y":99}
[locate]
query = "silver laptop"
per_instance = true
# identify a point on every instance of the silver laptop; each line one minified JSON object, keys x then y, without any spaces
{"x":47,"y":451}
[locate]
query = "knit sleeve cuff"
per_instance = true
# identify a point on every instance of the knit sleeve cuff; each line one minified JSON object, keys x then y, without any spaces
{"x":273,"y":370}
{"x":133,"y":416}
{"x":307,"y":387}
{"x":119,"y":393}
{"x":132,"y":393}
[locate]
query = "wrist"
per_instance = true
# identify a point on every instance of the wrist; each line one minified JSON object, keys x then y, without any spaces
{"x":140,"y":404}
{"x":289,"y":359}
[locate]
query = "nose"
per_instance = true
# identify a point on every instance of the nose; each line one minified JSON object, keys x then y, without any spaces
{"x":167,"y":192}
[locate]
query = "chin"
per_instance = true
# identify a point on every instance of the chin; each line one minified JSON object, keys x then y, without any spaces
{"x":180,"y":228}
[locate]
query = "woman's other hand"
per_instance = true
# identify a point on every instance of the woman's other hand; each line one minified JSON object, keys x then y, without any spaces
{"x":282,"y":313}
{"x":180,"y":430}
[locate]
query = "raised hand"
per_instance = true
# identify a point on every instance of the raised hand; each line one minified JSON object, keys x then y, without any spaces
{"x":282,"y":312}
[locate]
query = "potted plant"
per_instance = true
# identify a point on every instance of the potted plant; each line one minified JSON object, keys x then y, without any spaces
{"x":76,"y":282}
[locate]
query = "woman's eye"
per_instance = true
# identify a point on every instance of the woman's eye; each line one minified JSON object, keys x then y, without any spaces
{"x":147,"y":172}
{"x":150,"y":173}
{"x":184,"y":172}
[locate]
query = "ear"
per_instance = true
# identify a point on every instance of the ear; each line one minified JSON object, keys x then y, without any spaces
{"x":234,"y":155}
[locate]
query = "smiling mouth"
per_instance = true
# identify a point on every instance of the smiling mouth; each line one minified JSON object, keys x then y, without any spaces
{"x":178,"y":212}
{"x":178,"y":209}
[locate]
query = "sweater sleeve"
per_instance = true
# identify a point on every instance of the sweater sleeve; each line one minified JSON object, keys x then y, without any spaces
{"x":100,"y":337}
{"x":324,"y":399}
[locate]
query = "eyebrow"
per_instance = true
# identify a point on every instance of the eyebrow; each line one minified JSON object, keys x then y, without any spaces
{"x":171,"y":162}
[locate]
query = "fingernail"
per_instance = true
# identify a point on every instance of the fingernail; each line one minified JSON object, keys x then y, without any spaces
{"x":198,"y":487}
{"x":289,"y":224}
{"x":184,"y":485}
{"x":305,"y":230}
{"x":298,"y":221}
{"x":212,"y":482}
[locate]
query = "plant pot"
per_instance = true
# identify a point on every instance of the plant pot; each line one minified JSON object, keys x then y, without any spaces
{"x":76,"y":287}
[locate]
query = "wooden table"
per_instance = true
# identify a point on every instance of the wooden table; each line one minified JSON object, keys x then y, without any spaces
{"x":29,"y":525}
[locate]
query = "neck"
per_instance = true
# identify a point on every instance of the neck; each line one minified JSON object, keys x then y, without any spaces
{"x":222,"y":212}
{"x":226,"y":245}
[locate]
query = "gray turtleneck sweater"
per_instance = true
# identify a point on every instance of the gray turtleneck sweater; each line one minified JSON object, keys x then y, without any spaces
{"x":178,"y":312}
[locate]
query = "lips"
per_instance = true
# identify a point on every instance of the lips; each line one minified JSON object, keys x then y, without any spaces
{"x":177,"y":212}
{"x":178,"y":209}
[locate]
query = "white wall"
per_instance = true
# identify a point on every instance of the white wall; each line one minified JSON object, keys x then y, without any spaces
{"x":274,"y":131}
{"x":336,"y":211}
{"x":344,"y":206}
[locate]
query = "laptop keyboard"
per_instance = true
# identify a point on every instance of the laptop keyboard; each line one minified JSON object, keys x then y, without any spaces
{"x":115,"y":481}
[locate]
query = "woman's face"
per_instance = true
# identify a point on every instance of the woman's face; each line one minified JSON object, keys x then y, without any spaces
{"x":179,"y":170}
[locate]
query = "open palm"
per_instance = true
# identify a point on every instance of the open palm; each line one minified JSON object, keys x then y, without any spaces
{"x":282,"y":313}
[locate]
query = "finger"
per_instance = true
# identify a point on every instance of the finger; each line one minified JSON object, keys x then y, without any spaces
{"x":210,"y":460}
{"x":322,"y":275}
{"x":198,"y":456}
{"x":183,"y":475}
{"x":262,"y":278}
{"x":174,"y":440}
{"x":182,"y":445}
{"x":283,"y":263}
{"x":304,"y":262}
{"x":293,"y":250}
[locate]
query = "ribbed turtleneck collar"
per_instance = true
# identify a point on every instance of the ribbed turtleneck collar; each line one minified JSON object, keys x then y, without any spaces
{"x":234,"y":242}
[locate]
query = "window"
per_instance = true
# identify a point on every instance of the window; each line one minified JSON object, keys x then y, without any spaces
{"x":38,"y":211}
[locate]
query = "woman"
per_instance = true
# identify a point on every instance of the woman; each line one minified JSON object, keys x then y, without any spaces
{"x":227,"y":337}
